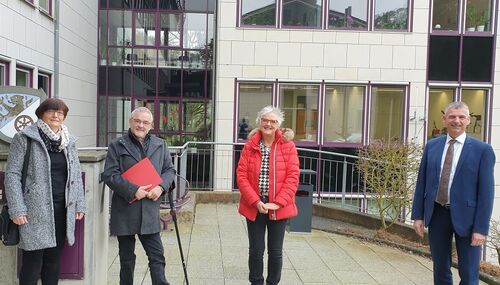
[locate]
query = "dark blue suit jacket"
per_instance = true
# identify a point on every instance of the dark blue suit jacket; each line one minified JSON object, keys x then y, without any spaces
{"x":472,"y":188}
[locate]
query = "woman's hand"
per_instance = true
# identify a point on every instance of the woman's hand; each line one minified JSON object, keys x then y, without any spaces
{"x":272,"y":206}
{"x":79,"y":215}
{"x":261,"y":207}
{"x":21,"y":220}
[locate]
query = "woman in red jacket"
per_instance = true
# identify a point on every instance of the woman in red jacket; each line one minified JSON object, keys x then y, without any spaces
{"x":268,"y":177}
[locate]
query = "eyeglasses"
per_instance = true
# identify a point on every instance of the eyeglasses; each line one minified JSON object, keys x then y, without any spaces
{"x":57,"y":112}
{"x":267,"y":121}
{"x":145,"y":123}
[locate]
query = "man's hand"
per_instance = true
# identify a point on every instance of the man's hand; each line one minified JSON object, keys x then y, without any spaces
{"x":79,"y":215}
{"x":272,"y":206}
{"x":141,"y":192}
{"x":21,"y":220}
{"x":477,"y":239}
{"x":261,"y":207}
{"x":155,"y":193}
{"x":418,"y":226}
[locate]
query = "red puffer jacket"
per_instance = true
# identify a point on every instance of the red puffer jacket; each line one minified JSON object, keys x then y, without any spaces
{"x":283,"y":175}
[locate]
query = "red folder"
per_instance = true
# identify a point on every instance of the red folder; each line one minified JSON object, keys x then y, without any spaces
{"x":143,"y":173}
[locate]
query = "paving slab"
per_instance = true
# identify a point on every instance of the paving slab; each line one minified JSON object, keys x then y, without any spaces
{"x":215,"y":246}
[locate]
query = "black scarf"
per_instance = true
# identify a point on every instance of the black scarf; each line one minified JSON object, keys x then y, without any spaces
{"x":143,"y":148}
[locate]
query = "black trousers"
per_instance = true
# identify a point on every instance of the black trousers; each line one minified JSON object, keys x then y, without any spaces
{"x":256,"y":240}
{"x":45,"y":263}
{"x":154,"y":250}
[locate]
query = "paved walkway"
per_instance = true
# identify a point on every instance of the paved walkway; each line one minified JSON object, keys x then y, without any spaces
{"x":216,"y":250}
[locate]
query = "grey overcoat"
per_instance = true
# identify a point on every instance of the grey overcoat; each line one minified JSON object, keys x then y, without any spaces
{"x":36,"y":202}
{"x":139,"y":217}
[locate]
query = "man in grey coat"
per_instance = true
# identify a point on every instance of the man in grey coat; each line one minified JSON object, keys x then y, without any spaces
{"x":135,"y":211}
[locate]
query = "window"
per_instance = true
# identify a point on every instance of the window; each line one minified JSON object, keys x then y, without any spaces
{"x":169,"y":116}
{"x":347,"y":14}
{"x":46,"y":5}
{"x":195,"y":36}
{"x":477,"y":59}
{"x":120,"y":28}
{"x":477,"y":15}
{"x":343,"y":114}
{"x":103,"y":35}
{"x":304,"y":13}
{"x":391,"y":14}
{"x":300,"y":105}
{"x":44,"y":83}
{"x":476,"y":100}
{"x":170,"y":27}
{"x":4,"y":74}
{"x":144,"y":81}
{"x":253,"y":97}
{"x":443,"y":58}
{"x":386,"y":113}
{"x":145,"y":33}
{"x":193,"y":120}
{"x":439,"y":98}
{"x":258,"y":12}
{"x":445,"y":15}
{"x":23,"y":77}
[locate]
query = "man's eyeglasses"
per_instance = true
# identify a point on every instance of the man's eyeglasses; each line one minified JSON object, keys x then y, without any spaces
{"x":145,"y":123}
{"x":57,"y":112}
{"x":267,"y":121}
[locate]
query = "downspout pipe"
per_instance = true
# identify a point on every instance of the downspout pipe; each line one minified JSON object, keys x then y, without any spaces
{"x":56,"y":49}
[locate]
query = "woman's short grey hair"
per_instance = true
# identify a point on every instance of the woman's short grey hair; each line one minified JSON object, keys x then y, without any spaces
{"x":280,"y":116}
{"x":456,"y":105}
{"x":141,"y":110}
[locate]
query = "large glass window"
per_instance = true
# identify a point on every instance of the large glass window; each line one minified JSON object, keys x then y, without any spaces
{"x":194,"y":117}
{"x":439,"y":98}
{"x":445,"y":15}
{"x":23,"y":77}
{"x":195,"y":36}
{"x":193,"y":83}
{"x":258,"y":12}
{"x":443,"y":58}
{"x":119,"y":109}
{"x":169,"y":82}
{"x":343,"y":114}
{"x":147,"y":57}
{"x":119,"y":81}
{"x":300,"y":105}
{"x":477,"y":15}
{"x":253,"y":97}
{"x":103,"y":35}
{"x":171,"y":58}
{"x":386,"y":113}
{"x":145,"y":33}
{"x":476,"y":100}
{"x":144,"y":81}
{"x":169,"y":116}
{"x":44,"y":83}
{"x":477,"y":59}
{"x":391,"y":14}
{"x":305,"y":13}
{"x":120,"y":28}
{"x":170,"y":26}
{"x":347,"y":13}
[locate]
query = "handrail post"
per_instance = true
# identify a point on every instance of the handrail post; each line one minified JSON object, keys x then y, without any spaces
{"x":344,"y":182}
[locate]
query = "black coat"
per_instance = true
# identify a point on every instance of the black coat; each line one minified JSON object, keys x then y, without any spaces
{"x":139,"y":217}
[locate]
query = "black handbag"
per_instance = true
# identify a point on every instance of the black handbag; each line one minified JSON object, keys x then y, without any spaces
{"x":9,"y":231}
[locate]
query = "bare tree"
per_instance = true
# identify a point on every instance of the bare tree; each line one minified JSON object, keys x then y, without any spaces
{"x":390,"y":172}
{"x":494,"y":237}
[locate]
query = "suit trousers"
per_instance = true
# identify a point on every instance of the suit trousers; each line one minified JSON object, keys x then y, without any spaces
{"x":441,"y":233}
{"x":45,"y":263}
{"x":256,"y":239}
{"x":154,"y":250}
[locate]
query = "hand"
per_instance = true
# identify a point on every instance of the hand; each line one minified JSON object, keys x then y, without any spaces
{"x":79,"y":215}
{"x":21,"y":220}
{"x":261,"y":207}
{"x":141,"y":192}
{"x":418,"y":226}
{"x":272,"y":206}
{"x":477,"y":239}
{"x":155,"y":193}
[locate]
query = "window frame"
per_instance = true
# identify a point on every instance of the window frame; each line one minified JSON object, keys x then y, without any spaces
{"x":47,"y":10}
{"x":462,"y":20}
{"x":48,"y":76}
{"x":29,"y":72}
{"x":6,"y":66}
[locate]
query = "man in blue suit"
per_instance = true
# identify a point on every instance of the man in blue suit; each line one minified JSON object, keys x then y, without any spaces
{"x":454,"y":197}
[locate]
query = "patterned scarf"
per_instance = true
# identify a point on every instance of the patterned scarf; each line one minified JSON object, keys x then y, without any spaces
{"x":55,"y":142}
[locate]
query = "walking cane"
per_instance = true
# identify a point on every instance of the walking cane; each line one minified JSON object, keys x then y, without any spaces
{"x":173,"y":214}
